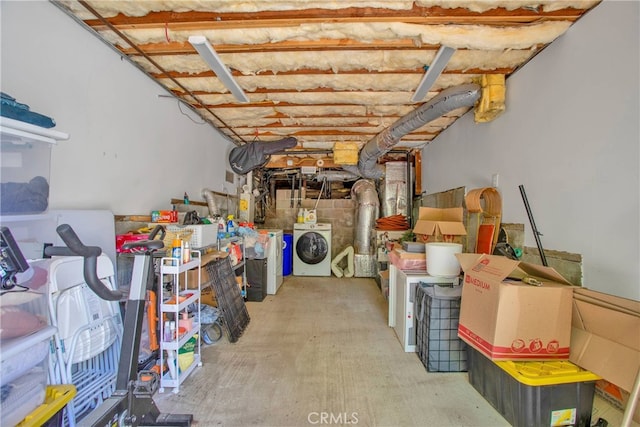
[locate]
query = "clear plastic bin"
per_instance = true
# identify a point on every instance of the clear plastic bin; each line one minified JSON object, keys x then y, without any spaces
{"x":22,"y":395}
{"x":23,"y":312}
{"x":25,"y":157}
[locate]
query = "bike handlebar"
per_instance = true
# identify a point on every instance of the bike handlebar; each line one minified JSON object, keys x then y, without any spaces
{"x":90,"y":255}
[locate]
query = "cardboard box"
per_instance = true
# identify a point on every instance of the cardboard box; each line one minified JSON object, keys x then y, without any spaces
{"x":440,"y":225}
{"x":605,"y":336}
{"x":617,"y":397}
{"x":507,"y":319}
{"x":192,"y":275}
{"x":208,"y":296}
{"x":408,"y":260}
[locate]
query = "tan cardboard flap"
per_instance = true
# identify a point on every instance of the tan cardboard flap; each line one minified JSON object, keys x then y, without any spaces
{"x":491,"y":267}
{"x":613,"y":362}
{"x":452,"y":228}
{"x":427,"y":228}
{"x":542,"y":272}
{"x":615,"y":325}
{"x":436,"y":214}
{"x":610,"y":301}
{"x":499,"y":268}
{"x":605,"y":336}
{"x":467,"y":261}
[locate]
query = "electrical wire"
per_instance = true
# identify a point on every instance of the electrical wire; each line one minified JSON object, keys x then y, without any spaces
{"x":187,"y":115}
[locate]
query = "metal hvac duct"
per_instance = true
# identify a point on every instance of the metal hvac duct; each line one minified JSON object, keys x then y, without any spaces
{"x":367,"y":210}
{"x":336,"y":175}
{"x":448,"y":100}
{"x":211,"y":202}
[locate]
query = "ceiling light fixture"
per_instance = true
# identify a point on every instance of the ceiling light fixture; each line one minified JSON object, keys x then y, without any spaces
{"x":433,"y":71}
{"x":211,"y":57}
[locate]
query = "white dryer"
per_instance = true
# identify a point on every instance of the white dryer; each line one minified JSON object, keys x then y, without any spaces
{"x":312,"y":249}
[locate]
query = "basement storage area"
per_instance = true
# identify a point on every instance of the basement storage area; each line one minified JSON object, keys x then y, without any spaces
{"x":287,"y":213}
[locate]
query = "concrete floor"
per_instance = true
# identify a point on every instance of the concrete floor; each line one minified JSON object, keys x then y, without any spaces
{"x":320,"y":352}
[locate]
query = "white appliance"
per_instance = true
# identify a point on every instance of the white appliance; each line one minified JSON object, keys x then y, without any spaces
{"x":312,"y":249}
{"x":274,"y":261}
{"x":402,"y":294}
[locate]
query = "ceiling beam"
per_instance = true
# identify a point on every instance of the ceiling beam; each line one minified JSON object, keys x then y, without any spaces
{"x":181,"y":21}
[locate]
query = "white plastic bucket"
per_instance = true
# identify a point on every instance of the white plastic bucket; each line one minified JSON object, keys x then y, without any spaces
{"x":441,"y":259}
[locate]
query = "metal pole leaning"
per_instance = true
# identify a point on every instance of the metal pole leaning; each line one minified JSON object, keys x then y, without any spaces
{"x":536,"y":233}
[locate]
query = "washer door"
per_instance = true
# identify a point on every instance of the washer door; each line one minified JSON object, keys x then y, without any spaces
{"x":312,"y":248}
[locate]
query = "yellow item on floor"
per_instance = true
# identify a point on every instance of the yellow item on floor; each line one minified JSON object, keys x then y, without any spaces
{"x":55,"y":400}
{"x":492,"y":100}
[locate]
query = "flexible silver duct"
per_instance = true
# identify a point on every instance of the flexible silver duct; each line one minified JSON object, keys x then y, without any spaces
{"x":211,"y":202}
{"x":336,"y":175}
{"x":367,"y":210}
{"x":448,"y":100}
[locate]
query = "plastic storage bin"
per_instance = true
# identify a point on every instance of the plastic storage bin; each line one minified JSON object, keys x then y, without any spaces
{"x":22,"y":395}
{"x":20,"y":355}
{"x":25,"y":164}
{"x":22,"y":313}
{"x":530,"y":394}
{"x":202,"y":235}
{"x":437,"y":311}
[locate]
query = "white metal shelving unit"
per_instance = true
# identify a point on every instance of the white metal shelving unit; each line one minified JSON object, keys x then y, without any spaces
{"x":180,"y":279}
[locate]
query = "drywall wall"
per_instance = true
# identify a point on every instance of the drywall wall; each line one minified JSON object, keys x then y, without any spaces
{"x":130,"y":150}
{"x":570,"y":135}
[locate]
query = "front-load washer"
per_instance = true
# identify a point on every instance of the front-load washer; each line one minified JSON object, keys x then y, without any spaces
{"x":312,"y":249}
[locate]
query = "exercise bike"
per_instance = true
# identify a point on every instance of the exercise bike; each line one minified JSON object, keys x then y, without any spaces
{"x":131,"y":404}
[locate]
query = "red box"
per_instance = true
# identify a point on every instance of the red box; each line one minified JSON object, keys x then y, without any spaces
{"x":164,"y":216}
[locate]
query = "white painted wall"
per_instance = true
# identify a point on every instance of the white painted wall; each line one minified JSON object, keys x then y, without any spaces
{"x":570,"y":135}
{"x":130,"y":151}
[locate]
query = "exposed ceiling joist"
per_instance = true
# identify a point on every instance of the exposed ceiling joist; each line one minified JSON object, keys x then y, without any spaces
{"x":324,"y":71}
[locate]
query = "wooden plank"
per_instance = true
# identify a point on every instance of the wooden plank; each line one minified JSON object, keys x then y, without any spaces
{"x":182,"y":48}
{"x":184,"y":21}
{"x":296,"y":162}
{"x":306,"y":71}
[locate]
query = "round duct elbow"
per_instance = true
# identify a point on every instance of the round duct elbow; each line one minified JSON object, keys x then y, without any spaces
{"x":211,"y":202}
{"x":367,"y":210}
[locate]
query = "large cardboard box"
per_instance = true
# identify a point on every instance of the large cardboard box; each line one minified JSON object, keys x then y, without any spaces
{"x":192,"y":275}
{"x":440,"y":225}
{"x":505,"y":317}
{"x":605,"y":336}
{"x":208,"y":296}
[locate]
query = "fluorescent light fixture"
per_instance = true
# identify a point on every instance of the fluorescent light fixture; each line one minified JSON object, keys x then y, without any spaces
{"x":211,"y":57}
{"x":435,"y":69}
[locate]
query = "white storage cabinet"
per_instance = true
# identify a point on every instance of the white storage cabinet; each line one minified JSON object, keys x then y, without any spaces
{"x":402,"y":293}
